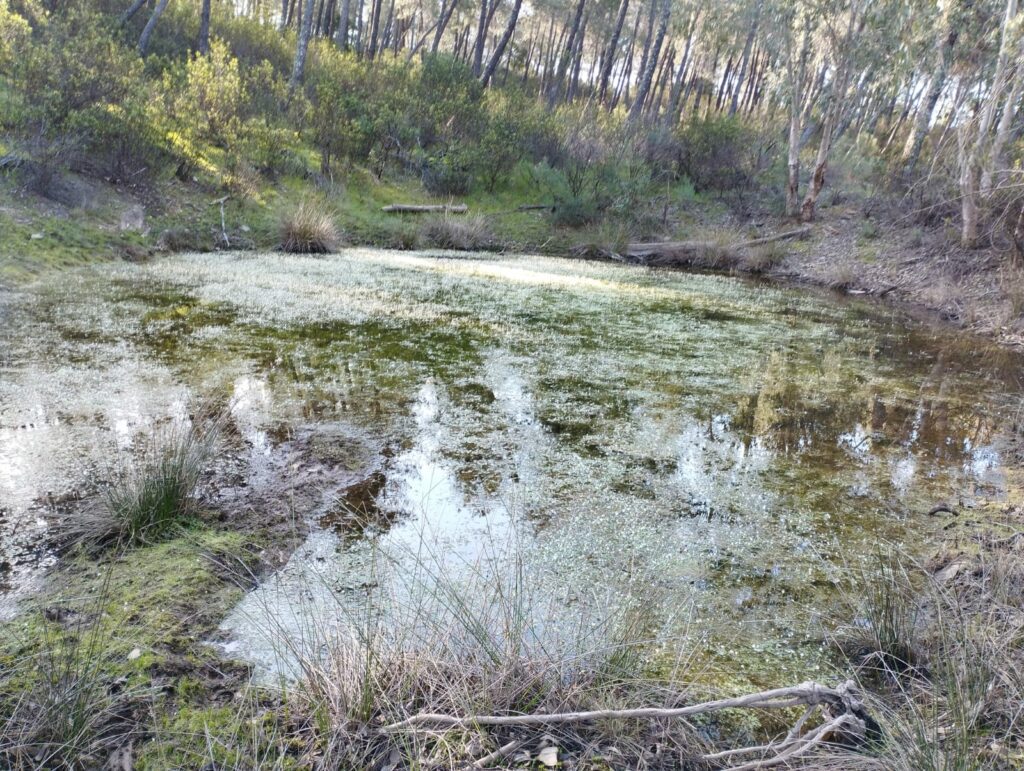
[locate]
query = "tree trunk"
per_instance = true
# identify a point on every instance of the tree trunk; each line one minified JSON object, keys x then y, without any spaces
{"x":837,"y":100}
{"x":676,"y":94}
{"x":342,"y":34}
{"x":745,"y":58}
{"x":611,"y":51}
{"x":481,"y":35}
{"x":129,"y":14}
{"x":446,"y":16}
{"x":204,"y":29}
{"x":930,"y":98}
{"x":996,"y":161}
{"x":499,"y":50}
{"x":647,"y":76}
{"x":375,"y":10}
{"x":797,"y":74}
{"x":577,"y":62}
{"x":567,"y":53}
{"x":302,"y":47}
{"x":975,"y":143}
{"x":147,"y":31}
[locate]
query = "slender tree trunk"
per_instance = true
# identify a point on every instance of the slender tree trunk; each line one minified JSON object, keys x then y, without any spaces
{"x":302,"y":47}
{"x":481,"y":37}
{"x":565,"y":60}
{"x":723,"y":85}
{"x":645,"y":54}
{"x":375,"y":10}
{"x":930,"y":98}
{"x":129,"y":14}
{"x":744,"y":59}
{"x":622,"y":90}
{"x":837,"y":102}
{"x":996,"y":160}
{"x":445,"y":17}
{"x":675,"y":95}
{"x":611,"y":51}
{"x":646,"y":77}
{"x":577,"y":61}
{"x":147,"y":31}
{"x":499,"y":49}
{"x":975,"y":143}
{"x":797,"y":74}
{"x":342,"y":34}
{"x":204,"y":28}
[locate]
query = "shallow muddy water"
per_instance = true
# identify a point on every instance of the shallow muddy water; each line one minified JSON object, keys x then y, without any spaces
{"x":719,"y":452}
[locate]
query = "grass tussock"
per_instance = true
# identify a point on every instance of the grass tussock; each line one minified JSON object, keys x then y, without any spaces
{"x":943,"y":651}
{"x":310,"y":229}
{"x":151,"y":495}
{"x":761,"y":259}
{"x":466,"y":233}
{"x":58,"y":709}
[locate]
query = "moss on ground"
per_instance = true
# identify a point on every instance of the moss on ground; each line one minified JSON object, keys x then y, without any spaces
{"x":138,"y":625}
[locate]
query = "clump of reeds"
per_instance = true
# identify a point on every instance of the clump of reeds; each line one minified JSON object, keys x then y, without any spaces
{"x":152,"y":494}
{"x":309,"y":229}
{"x":459,"y":232}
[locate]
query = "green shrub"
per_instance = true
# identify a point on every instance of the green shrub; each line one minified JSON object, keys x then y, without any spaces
{"x":716,"y":153}
{"x":310,"y":229}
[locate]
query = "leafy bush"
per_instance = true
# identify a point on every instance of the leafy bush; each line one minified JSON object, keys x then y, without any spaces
{"x":85,"y":97}
{"x":715,"y":152}
{"x":310,"y":229}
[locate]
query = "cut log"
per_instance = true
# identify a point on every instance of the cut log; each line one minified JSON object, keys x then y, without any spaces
{"x":411,"y":208}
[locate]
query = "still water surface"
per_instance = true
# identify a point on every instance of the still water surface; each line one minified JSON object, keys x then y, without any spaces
{"x":718,"y":452}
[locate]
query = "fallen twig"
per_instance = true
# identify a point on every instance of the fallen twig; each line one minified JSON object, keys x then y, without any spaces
{"x":805,"y":694}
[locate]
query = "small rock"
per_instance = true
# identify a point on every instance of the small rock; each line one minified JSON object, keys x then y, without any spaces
{"x":135,"y":653}
{"x":36,"y":236}
{"x":548,"y":757}
{"x":245,"y":228}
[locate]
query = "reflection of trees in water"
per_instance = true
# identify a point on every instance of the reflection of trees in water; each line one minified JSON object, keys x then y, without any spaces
{"x":793,"y":407}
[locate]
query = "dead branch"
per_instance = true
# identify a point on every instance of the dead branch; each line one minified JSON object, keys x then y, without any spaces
{"x":843,"y":713}
{"x":410,"y":208}
{"x":839,"y":699}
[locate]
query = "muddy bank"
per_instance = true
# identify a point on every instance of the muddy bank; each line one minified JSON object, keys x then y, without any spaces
{"x":980,"y":291}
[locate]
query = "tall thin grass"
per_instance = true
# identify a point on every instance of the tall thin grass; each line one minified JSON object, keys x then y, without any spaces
{"x":310,"y":229}
{"x":470,"y":232}
{"x":479,"y":639}
{"x":152,"y":494}
{"x":58,"y":708}
{"x":949,"y":647}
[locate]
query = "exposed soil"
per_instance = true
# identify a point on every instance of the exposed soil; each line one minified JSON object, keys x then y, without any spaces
{"x":980,"y":291}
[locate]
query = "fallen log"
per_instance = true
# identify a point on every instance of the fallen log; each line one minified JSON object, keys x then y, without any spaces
{"x":698,"y":253}
{"x":413,"y":208}
{"x":669,"y":251}
{"x":535,"y":207}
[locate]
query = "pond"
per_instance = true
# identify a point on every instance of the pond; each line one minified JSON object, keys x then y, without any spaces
{"x":718,"y":452}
